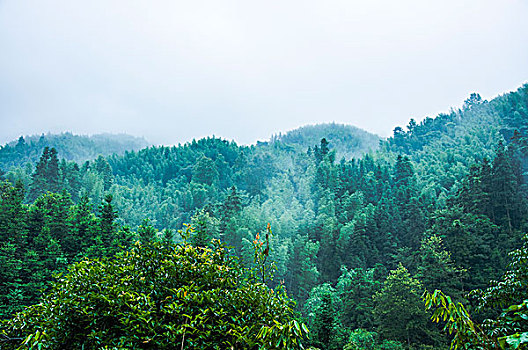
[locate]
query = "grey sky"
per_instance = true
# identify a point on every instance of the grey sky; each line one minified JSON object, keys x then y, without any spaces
{"x":176,"y":70}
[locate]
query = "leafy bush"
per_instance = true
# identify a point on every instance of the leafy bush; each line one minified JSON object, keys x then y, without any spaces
{"x":361,"y":339}
{"x":158,"y":296}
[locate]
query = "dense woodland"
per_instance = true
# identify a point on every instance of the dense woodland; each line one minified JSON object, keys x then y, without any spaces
{"x":28,"y":149}
{"x":359,"y":229}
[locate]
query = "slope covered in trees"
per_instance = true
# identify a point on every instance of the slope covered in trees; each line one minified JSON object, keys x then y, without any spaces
{"x":348,"y":141}
{"x":68,"y":146}
{"x":355,"y":242}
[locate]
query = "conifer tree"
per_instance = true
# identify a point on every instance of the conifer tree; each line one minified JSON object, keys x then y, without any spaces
{"x":105,"y":170}
{"x":325,"y":326}
{"x":146,"y":232}
{"x":399,"y":310}
{"x":204,"y":171}
{"x":107,"y":226}
{"x":13,"y":236}
{"x":302,"y":273}
{"x":204,"y":227}
{"x":46,"y":177}
{"x":506,"y":195}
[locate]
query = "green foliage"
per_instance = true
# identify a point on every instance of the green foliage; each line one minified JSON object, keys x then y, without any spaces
{"x":444,"y":197}
{"x":159,"y":296}
{"x":348,"y":141}
{"x":204,"y":171}
{"x":46,"y":176}
{"x":361,"y":339}
{"x":504,"y":330}
{"x":146,"y":232}
{"x":465,"y":332}
{"x":399,"y":311}
{"x":40,"y":239}
{"x":356,"y":288}
{"x":302,"y":271}
{"x":70,"y":147}
{"x":474,"y":242}
{"x":322,"y":312}
{"x":436,"y":268}
{"x":204,"y":227}
{"x":264,"y":271}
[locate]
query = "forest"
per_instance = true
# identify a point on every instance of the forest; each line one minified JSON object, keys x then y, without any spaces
{"x":325,"y":237}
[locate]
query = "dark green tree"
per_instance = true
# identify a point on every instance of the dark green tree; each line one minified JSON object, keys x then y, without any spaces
{"x":204,"y":171}
{"x":325,"y":326}
{"x":107,"y":225}
{"x":46,"y":176}
{"x":399,"y":310}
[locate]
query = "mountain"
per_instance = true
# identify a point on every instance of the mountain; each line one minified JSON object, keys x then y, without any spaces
{"x":439,"y":205}
{"x":348,"y":141}
{"x":78,"y":148}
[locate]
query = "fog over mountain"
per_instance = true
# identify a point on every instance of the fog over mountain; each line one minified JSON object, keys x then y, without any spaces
{"x":173,"y":71}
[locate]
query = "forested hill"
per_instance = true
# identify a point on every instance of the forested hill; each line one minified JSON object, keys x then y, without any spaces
{"x":439,"y":205}
{"x":70,"y":147}
{"x":348,"y":141}
{"x":444,"y":148}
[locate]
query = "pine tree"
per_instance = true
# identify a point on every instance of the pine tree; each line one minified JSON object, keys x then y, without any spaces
{"x":204,"y":227}
{"x":325,"y":326}
{"x":84,"y":225}
{"x":13,"y":245}
{"x":506,"y":195}
{"x":302,"y":273}
{"x":46,"y":177}
{"x":356,"y":288}
{"x":52,"y":172}
{"x":436,"y":269}
{"x":233,"y":203}
{"x":107,"y":226}
{"x":105,"y":170}
{"x":146,"y":232}
{"x":410,"y":208}
{"x":204,"y":171}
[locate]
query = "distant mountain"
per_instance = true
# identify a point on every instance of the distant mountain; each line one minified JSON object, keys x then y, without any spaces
{"x":347,"y":140}
{"x":78,"y":148}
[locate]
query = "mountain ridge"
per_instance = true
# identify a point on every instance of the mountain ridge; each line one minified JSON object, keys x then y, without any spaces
{"x":69,"y":146}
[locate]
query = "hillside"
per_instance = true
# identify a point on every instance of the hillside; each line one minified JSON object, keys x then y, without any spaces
{"x":439,"y":205}
{"x":78,"y":148}
{"x":348,"y":141}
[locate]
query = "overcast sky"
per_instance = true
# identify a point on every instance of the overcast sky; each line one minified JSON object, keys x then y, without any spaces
{"x":175,"y":70}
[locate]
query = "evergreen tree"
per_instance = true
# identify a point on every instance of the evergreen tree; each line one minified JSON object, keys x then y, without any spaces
{"x":233,"y":203}
{"x":85,"y":228}
{"x":399,"y":310}
{"x":411,"y":211}
{"x":436,"y":269}
{"x":204,"y":171}
{"x":105,"y":170}
{"x":13,"y":244}
{"x":46,"y":176}
{"x":322,"y":308}
{"x":146,"y":232}
{"x":107,"y":226}
{"x":205,"y":228}
{"x":302,"y":273}
{"x":474,"y":243}
{"x":356,"y":288}
{"x":506,"y":196}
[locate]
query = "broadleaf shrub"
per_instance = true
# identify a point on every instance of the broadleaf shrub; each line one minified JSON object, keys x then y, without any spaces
{"x":158,"y":296}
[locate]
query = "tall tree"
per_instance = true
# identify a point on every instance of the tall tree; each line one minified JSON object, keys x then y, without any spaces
{"x":399,"y":310}
{"x":46,"y":176}
{"x":107,"y":225}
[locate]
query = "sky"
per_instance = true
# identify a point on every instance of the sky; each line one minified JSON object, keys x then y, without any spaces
{"x":171,"y":71}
